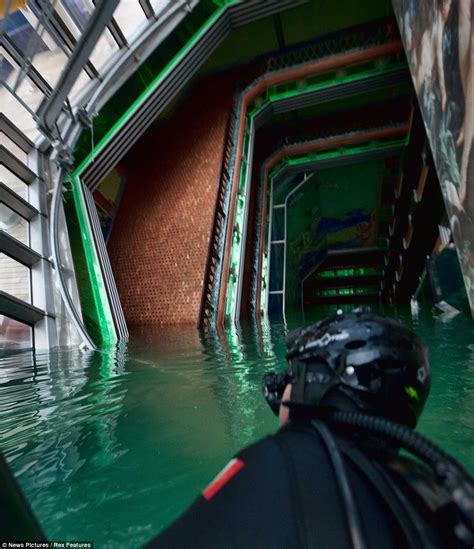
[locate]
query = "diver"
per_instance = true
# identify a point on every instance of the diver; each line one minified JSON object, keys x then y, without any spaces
{"x":333,"y":475}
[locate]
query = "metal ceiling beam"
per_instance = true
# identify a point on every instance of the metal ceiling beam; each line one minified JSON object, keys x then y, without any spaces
{"x":50,"y":109}
{"x":61,"y":34}
{"x":132,"y":129}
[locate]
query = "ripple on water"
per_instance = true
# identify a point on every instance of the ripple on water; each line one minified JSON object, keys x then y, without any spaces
{"x":111,"y":446}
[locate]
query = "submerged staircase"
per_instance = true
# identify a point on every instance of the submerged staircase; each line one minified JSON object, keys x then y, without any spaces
{"x":344,"y":276}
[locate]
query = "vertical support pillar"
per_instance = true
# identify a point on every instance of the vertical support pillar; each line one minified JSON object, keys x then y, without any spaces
{"x":439,"y":44}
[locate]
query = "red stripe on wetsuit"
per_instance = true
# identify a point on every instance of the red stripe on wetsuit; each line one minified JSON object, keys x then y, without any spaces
{"x":232,"y":468}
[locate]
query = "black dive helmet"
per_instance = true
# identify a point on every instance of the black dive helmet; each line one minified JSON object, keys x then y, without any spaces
{"x":374,"y":364}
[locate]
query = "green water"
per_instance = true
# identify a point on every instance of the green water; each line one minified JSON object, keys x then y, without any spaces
{"x":110,"y":447}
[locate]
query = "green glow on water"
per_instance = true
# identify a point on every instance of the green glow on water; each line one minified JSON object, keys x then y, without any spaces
{"x":112,"y":446}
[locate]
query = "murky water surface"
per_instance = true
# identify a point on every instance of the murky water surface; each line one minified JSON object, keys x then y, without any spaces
{"x":111,"y":446}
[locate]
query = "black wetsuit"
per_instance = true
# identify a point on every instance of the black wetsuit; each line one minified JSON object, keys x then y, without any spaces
{"x":282,"y":492}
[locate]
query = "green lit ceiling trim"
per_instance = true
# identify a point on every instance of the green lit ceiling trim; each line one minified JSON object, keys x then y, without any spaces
{"x":274,"y":94}
{"x":352,"y":150}
{"x":148,"y":90}
{"x":328,"y":79}
{"x":95,"y":275}
{"x":346,"y":150}
{"x":101,"y":300}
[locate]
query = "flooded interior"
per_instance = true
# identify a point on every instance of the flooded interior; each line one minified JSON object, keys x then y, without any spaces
{"x":111,"y":446}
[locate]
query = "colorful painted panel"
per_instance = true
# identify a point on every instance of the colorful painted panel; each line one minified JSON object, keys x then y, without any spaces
{"x":438,"y":39}
{"x":336,"y":208}
{"x":107,"y":198}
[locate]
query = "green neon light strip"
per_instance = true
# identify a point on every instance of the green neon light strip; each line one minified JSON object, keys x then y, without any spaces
{"x":348,"y":150}
{"x":101,"y":301}
{"x":346,"y":292}
{"x":147,"y":91}
{"x":277,"y":93}
{"x":351,"y":272}
{"x":99,"y":292}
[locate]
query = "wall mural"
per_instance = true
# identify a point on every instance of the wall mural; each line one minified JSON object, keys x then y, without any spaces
{"x":439,"y":43}
{"x":335,"y":209}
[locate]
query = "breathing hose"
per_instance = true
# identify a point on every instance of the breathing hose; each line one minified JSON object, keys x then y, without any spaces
{"x":452,"y":476}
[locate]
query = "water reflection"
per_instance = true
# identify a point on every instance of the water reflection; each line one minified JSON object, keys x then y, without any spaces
{"x":112,"y":445}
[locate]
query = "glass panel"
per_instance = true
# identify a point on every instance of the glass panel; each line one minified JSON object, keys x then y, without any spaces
{"x":17,"y":151}
{"x":276,"y":267}
{"x":28,"y":92}
{"x":14,"y":278}
{"x":5,"y":67}
{"x":79,"y":85}
{"x":13,"y":182}
{"x":104,"y":49}
{"x":278,"y":224}
{"x":37,"y":45}
{"x":14,"y":224}
{"x":50,"y":64}
{"x":159,"y":5}
{"x":15,"y":111}
{"x":23,"y":35}
{"x":14,"y":335}
{"x":130,"y":17}
{"x":79,"y":11}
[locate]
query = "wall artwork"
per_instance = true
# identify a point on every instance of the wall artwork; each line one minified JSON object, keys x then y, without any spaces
{"x":107,"y":199}
{"x":438,"y":40}
{"x":336,"y":209}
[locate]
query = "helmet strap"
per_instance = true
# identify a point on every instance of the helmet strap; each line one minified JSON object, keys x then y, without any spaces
{"x":314,"y":380}
{"x":298,"y":374}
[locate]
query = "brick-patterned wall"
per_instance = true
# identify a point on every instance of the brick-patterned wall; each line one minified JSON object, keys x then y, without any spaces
{"x":159,"y":242}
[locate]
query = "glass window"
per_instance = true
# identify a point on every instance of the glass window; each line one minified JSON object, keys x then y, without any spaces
{"x":14,"y":335}
{"x":79,"y":11}
{"x":23,"y":35}
{"x":14,"y":224}
{"x":5,"y":67}
{"x":14,"y":278}
{"x":50,"y":64}
{"x":159,"y":5}
{"x":105,"y":47}
{"x":13,"y":182}
{"x":17,"y":151}
{"x":14,"y":110}
{"x":36,"y":45}
{"x":79,"y":85}
{"x":28,"y":92}
{"x":130,"y":17}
